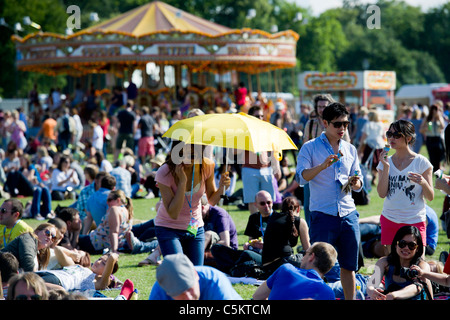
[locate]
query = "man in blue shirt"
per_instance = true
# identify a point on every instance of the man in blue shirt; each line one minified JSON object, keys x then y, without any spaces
{"x":330,"y":164}
{"x":178,"y":279}
{"x":292,"y":283}
{"x":96,"y":206}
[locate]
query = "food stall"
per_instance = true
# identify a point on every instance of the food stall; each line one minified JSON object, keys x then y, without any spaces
{"x":370,"y":88}
{"x":366,"y":88}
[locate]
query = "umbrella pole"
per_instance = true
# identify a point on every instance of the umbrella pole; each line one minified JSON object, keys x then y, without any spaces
{"x":223,"y":196}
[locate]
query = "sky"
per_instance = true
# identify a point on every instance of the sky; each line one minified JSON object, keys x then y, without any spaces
{"x":319,"y":6}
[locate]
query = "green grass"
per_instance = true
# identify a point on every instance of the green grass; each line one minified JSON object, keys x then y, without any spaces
{"x":144,"y":277}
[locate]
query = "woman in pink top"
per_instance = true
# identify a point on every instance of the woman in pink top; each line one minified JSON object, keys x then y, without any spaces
{"x":183,"y":179}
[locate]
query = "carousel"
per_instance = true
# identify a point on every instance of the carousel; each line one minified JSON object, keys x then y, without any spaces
{"x":161,"y":34}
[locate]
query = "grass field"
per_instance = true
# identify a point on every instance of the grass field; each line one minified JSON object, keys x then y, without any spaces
{"x":144,"y":277}
{"x":144,"y":209}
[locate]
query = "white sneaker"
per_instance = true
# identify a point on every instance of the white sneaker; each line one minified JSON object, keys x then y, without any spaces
{"x":51,"y":215}
{"x":39,"y":217}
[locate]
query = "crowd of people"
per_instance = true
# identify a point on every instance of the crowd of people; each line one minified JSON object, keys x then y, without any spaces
{"x":102,"y":153}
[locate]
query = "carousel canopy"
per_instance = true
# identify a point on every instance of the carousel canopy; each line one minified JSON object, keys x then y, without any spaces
{"x":157,"y":17}
{"x":159,"y":33}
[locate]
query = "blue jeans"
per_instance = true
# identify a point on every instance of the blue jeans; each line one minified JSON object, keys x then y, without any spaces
{"x":144,"y":234}
{"x":41,"y":194}
{"x":173,"y":241}
{"x":306,"y":195}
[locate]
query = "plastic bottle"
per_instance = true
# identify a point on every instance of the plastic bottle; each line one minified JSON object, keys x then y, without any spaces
{"x":438,"y":173}
{"x":359,"y":294}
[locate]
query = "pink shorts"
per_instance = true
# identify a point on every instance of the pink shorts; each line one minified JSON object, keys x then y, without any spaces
{"x":390,"y":228}
{"x":146,"y":146}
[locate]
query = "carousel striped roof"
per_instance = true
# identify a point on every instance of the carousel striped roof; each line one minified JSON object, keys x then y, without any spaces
{"x":158,"y":16}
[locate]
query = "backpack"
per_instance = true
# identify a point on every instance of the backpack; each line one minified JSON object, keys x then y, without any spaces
{"x":247,"y":269}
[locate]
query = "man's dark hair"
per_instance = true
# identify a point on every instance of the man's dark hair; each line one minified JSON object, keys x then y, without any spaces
{"x":333,"y":111}
{"x":16,"y":206}
{"x":9,"y":265}
{"x":253,"y":109}
{"x":108,"y":182}
{"x":67,"y":213}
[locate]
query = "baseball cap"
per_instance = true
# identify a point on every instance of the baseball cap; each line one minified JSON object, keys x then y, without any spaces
{"x":176,"y":274}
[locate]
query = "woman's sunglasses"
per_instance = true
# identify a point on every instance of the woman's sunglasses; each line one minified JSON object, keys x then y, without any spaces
{"x":395,"y":134}
{"x":49,"y":234}
{"x":338,"y":124}
{"x":411,"y":245}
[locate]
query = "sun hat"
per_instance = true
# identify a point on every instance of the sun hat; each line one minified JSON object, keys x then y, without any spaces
{"x":176,"y":274}
{"x":159,"y":159}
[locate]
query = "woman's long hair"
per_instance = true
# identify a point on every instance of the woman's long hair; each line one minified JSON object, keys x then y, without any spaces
{"x":393,"y":257}
{"x":126,"y":201}
{"x":170,"y":163}
{"x":290,"y":206}
{"x":61,"y":161}
{"x":43,"y":255}
{"x":433,"y":109}
{"x":406,"y":128}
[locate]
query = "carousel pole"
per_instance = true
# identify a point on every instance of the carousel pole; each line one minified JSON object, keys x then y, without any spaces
{"x":275,"y":79}
{"x":162,"y":75}
{"x":258,"y":82}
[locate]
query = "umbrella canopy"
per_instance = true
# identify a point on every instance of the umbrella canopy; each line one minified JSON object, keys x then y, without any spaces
{"x":235,"y":131}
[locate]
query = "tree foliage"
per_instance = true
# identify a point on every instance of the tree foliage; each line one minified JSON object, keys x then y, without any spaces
{"x":411,"y":42}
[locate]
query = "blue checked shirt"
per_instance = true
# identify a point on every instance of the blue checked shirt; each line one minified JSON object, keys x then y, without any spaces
{"x":85,"y":193}
{"x":325,"y":189}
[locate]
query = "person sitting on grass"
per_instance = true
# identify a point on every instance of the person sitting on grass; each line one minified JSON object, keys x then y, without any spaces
{"x":178,"y":279}
{"x":407,"y":250}
{"x":11,"y":223}
{"x":292,"y":283}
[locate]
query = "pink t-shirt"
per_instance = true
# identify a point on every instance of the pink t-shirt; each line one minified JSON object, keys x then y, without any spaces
{"x":164,"y":177}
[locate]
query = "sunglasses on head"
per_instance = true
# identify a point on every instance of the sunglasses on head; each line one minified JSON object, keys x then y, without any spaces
{"x":395,"y":134}
{"x":338,"y":124}
{"x":263,"y":203}
{"x":411,"y":245}
{"x":25,"y":297}
{"x":48,"y":233}
{"x":3,"y":210}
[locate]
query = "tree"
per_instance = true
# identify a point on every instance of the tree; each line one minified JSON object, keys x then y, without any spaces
{"x":322,"y":44}
{"x":53,"y":20}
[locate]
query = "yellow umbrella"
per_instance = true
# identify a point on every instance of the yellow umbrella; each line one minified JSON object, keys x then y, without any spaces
{"x":235,"y":131}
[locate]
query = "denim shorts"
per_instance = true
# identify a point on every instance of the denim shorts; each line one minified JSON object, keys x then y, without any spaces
{"x":341,"y":232}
